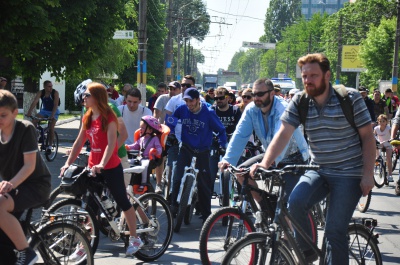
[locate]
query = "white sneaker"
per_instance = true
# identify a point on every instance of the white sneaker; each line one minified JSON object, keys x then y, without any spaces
{"x":390,"y":179}
{"x":78,"y":254}
{"x":135,"y":243}
{"x":158,"y":189}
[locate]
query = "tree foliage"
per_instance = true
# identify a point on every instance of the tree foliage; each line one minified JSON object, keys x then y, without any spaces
{"x":192,"y":17}
{"x":280,"y":15}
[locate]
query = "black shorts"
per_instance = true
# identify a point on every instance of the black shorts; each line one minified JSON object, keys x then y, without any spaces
{"x":30,"y":195}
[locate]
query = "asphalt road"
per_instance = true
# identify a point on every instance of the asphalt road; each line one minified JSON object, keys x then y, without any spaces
{"x":385,"y":207}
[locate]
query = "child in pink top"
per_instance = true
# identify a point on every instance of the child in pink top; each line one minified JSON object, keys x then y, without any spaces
{"x":149,"y":141}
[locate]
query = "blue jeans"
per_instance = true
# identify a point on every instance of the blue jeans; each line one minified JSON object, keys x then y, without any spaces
{"x":204,"y":181}
{"x":344,"y":194}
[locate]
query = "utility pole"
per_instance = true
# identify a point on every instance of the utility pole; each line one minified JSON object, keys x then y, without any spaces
{"x":168,"y":55}
{"x":396,"y":52}
{"x":339,"y":59}
{"x":142,"y":51}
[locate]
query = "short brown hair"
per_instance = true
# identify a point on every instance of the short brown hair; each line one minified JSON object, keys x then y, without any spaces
{"x":319,"y":58}
{"x":267,"y":82}
{"x":222,"y":90}
{"x":190,"y":78}
{"x":8,"y":100}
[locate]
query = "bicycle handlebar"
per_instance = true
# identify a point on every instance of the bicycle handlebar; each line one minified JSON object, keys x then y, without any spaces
{"x":286,"y":169}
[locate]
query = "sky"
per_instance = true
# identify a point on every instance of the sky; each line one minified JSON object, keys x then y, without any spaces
{"x":246,"y":19}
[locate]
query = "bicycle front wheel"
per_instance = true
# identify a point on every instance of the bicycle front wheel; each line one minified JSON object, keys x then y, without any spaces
{"x":255,"y":248}
{"x":363,"y":249}
{"x":216,"y":237}
{"x":62,"y":243}
{"x":156,"y":242}
{"x":51,"y":155}
{"x":183,"y":203}
{"x":379,"y":174}
{"x":364,"y":202}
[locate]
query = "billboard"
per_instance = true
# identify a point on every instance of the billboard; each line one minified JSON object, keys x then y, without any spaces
{"x":350,"y":59}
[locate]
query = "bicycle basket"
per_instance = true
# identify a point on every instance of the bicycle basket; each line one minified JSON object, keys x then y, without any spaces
{"x":74,"y":180}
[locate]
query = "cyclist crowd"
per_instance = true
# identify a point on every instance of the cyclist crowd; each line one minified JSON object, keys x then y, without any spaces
{"x":216,"y":132}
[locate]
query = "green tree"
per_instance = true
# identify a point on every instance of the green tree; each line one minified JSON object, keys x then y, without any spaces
{"x":51,"y":35}
{"x":234,"y":64}
{"x":357,"y":18}
{"x":280,"y":14}
{"x":192,"y":17}
{"x":376,"y":52}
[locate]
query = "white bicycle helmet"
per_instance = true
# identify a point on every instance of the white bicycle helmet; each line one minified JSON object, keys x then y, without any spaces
{"x":80,"y":89}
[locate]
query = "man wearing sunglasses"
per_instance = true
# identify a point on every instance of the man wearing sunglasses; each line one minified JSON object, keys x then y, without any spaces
{"x":263,"y":117}
{"x":229,"y":116}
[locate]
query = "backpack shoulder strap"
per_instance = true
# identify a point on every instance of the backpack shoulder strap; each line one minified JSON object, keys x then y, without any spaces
{"x":42,"y":94}
{"x":346,"y":104}
{"x":302,"y":108}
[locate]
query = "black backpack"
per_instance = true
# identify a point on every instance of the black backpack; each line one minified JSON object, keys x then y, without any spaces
{"x":52,"y":96}
{"x":344,"y":100}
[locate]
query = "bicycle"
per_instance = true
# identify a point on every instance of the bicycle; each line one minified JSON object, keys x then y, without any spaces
{"x":229,"y":224}
{"x":154,"y":219}
{"x":263,"y":248}
{"x":396,"y":154}
{"x":187,"y":196}
{"x":43,"y":138}
{"x":56,"y":239}
{"x":380,"y":174}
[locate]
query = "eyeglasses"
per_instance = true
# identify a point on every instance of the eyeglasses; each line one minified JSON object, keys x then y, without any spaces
{"x":186,"y":85}
{"x":220,"y":98}
{"x":86,"y":95}
{"x":261,"y":93}
{"x":247,"y":97}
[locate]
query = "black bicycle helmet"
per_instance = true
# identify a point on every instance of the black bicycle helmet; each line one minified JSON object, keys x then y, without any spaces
{"x":80,"y":89}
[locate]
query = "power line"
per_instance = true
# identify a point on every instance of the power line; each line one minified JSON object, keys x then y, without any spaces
{"x":235,"y":15}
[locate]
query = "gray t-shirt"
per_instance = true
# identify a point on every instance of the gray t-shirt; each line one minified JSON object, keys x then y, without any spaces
{"x":160,"y":104}
{"x":334,"y":144}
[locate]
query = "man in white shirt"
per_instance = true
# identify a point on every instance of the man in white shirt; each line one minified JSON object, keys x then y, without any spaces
{"x":132,"y":112}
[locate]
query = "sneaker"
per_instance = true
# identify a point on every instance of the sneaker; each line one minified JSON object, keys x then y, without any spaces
{"x":26,"y":257}
{"x":48,"y":150}
{"x":135,"y":243}
{"x":158,"y":189}
{"x":390,"y":179}
{"x":78,"y":254}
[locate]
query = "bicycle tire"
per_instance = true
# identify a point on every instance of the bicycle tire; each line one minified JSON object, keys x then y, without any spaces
{"x":183,"y":203}
{"x":213,"y":242}
{"x":92,"y":225}
{"x":54,"y":148}
{"x":395,"y":157}
{"x":363,"y":203}
{"x":358,"y":243}
{"x":53,"y":195}
{"x":225,"y":178}
{"x":166,"y":177}
{"x":62,"y":239}
{"x":158,"y":210}
{"x":191,"y":208}
{"x":255,"y":248}
{"x":379,"y":174}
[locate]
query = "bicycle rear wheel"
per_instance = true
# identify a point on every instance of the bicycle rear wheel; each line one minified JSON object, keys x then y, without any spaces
{"x":379,"y":173}
{"x":255,"y":248}
{"x":360,"y":248}
{"x":50,"y":156}
{"x":62,"y":243}
{"x":191,"y":208}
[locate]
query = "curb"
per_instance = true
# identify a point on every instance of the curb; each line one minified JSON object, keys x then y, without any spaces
{"x":61,"y":122}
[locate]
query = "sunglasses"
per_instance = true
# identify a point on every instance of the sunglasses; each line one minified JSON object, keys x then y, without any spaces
{"x":186,"y":85}
{"x":247,"y":97}
{"x":220,"y":98}
{"x":262,"y":93}
{"x":86,"y":95}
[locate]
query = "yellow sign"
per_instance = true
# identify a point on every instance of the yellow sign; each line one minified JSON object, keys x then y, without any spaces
{"x":350,"y":59}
